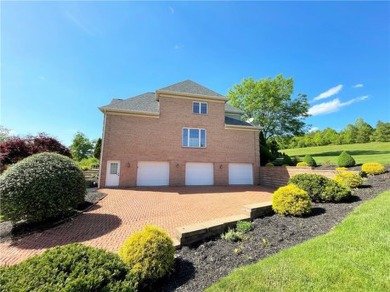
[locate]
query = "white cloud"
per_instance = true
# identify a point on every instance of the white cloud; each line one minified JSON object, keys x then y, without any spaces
{"x":42,"y":77}
{"x":329,"y":92}
{"x":172,"y":10}
{"x":357,"y":85}
{"x":313,"y":129}
{"x":178,"y":47}
{"x":333,"y":106}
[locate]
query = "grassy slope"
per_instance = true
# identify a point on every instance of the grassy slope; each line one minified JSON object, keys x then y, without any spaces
{"x":354,"y":256}
{"x":367,"y":152}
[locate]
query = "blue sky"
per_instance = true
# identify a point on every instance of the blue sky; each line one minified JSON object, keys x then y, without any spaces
{"x":60,"y":61}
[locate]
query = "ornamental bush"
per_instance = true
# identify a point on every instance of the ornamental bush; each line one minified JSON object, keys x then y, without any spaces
{"x":149,"y":253}
{"x":309,"y":160}
{"x":72,"y":267}
{"x":373,"y":168}
{"x":345,"y":160}
{"x":40,"y":187}
{"x":291,"y":200}
{"x":244,"y":226}
{"x":349,"y":178}
{"x":302,"y":163}
{"x":313,"y":184}
{"x":335,"y":192}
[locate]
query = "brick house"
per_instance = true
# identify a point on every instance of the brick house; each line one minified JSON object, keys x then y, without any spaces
{"x":183,"y":134}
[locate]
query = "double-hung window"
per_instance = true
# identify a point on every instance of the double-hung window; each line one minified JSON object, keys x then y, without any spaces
{"x":199,"y":107}
{"x":194,"y":138}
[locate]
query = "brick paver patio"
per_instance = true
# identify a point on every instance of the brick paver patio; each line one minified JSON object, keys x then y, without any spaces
{"x":123,"y":212}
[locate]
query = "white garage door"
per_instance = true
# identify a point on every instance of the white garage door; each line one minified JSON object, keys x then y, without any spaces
{"x":153,"y":173}
{"x":240,"y":174}
{"x":199,"y":174}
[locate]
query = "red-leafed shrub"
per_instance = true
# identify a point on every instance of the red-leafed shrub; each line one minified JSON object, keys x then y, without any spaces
{"x":16,"y":148}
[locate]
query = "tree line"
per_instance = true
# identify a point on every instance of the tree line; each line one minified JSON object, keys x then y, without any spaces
{"x":359,"y":132}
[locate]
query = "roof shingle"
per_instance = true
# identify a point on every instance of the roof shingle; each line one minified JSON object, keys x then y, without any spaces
{"x":189,"y":86}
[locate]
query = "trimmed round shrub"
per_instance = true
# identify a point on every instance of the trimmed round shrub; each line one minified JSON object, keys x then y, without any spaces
{"x":40,"y":187}
{"x":335,"y":192}
{"x":269,"y":164}
{"x":349,"y":178}
{"x":345,"y":160}
{"x":72,"y":267}
{"x":373,"y":168}
{"x":302,"y":163}
{"x":313,"y":184}
{"x":291,"y":200}
{"x":149,"y":253}
{"x":309,"y":160}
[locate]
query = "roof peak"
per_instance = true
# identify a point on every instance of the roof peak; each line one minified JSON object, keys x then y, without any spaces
{"x":189,"y":86}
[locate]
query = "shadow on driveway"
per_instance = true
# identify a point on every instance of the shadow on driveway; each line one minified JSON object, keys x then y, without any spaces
{"x":83,"y":228}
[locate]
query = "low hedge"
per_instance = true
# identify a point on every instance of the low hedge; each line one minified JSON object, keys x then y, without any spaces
{"x":373,"y":168}
{"x":320,"y":188}
{"x":73,"y":267}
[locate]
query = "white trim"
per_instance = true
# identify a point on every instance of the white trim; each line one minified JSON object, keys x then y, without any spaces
{"x":199,"y":137}
{"x":200,"y":107}
{"x":166,"y":93}
{"x":242,"y":128}
{"x":129,"y":112}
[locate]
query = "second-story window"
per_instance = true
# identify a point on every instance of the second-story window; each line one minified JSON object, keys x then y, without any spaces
{"x":199,"y":107}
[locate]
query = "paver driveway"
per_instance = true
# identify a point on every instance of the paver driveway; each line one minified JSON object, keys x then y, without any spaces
{"x":123,"y":212}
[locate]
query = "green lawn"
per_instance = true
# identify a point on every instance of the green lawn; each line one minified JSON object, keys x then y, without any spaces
{"x":366,"y":152}
{"x":354,"y":256}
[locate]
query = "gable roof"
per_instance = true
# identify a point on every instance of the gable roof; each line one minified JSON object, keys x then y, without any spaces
{"x":189,"y":86}
{"x":147,"y":102}
{"x":141,"y":103}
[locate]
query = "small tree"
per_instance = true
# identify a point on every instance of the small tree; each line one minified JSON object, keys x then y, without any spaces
{"x":4,"y":133}
{"x":15,"y":148}
{"x":98,"y":148}
{"x":81,"y":147}
{"x":382,"y":132}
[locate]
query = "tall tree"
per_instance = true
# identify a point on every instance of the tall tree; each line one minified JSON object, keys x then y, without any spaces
{"x":98,"y":148}
{"x":382,"y":132}
{"x":81,"y":147}
{"x":364,"y":131}
{"x":268,"y":102}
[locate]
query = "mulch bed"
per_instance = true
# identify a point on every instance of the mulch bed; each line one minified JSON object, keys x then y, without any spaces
{"x":200,"y":266}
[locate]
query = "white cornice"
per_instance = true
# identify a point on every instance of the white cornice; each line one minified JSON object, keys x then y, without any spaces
{"x":166,"y":93}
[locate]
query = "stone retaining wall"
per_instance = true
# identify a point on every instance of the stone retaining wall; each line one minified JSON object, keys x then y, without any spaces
{"x":278,"y":176}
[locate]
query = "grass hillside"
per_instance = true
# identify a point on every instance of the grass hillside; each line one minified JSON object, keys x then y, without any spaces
{"x":366,"y":152}
{"x":354,"y":256}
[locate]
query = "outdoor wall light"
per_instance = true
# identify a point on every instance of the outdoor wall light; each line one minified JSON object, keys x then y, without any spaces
{"x":128,"y":164}
{"x":177,"y":165}
{"x":220,"y":167}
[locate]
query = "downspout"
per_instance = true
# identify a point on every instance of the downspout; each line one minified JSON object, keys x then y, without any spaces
{"x":102,"y":149}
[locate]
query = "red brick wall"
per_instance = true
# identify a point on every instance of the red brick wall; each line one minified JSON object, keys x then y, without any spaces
{"x":130,"y":139}
{"x":278,"y":176}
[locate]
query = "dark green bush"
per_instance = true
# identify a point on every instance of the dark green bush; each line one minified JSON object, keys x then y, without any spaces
{"x":73,"y":267}
{"x":345,"y":160}
{"x":335,"y":192}
{"x":309,"y":160}
{"x":40,"y":187}
{"x":313,"y":184}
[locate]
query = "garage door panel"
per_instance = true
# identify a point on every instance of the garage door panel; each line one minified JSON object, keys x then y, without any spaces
{"x":153,"y":173}
{"x":199,"y":174}
{"x":240,"y":174}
